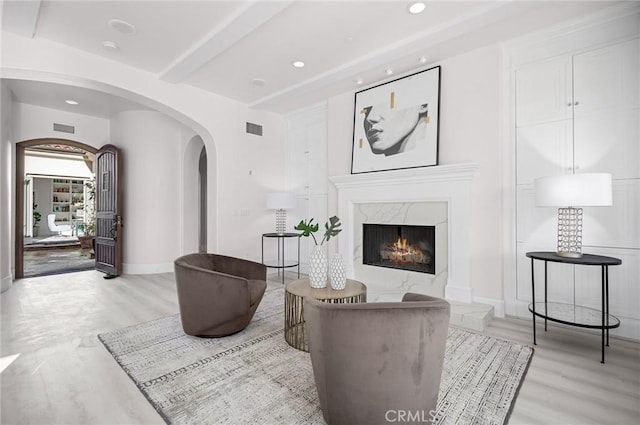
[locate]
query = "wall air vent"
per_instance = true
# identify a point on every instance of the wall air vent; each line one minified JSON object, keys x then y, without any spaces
{"x":64,"y":128}
{"x":254,"y":129}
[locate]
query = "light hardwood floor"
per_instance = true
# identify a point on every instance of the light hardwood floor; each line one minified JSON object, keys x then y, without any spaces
{"x":64,"y":375}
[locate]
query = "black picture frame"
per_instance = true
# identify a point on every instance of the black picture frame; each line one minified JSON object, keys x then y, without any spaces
{"x":396,"y":124}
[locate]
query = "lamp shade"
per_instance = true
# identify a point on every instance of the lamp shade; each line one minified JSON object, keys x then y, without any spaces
{"x":575,"y":190}
{"x":281,"y":201}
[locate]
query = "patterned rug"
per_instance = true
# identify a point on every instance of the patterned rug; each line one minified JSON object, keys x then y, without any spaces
{"x":254,"y":376}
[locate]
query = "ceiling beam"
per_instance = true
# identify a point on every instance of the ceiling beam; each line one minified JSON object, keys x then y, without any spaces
{"x":246,"y":20}
{"x":492,"y":13}
{"x":21,"y":17}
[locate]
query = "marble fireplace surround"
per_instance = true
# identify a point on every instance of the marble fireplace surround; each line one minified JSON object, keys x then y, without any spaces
{"x":450,"y":184}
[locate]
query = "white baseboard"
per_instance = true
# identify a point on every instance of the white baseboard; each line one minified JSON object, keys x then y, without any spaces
{"x":147,"y":268}
{"x":6,"y":283}
{"x":498,"y":305}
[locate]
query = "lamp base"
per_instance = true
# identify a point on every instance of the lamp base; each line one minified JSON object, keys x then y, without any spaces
{"x":281,"y":221}
{"x":570,"y":232}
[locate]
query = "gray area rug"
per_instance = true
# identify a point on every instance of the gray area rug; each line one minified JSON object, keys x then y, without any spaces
{"x":254,"y":376}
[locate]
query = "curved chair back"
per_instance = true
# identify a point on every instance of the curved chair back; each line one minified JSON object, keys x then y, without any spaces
{"x":373,"y":360}
{"x":63,"y":229}
{"x":217,"y":295}
{"x":51,"y":222}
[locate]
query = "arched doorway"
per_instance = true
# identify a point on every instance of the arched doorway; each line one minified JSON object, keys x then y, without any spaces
{"x":19,"y":190}
{"x":202,"y":201}
{"x":197,"y":177}
{"x":148,"y":100}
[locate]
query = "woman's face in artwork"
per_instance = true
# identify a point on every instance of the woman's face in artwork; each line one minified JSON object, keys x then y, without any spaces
{"x":386,"y":128}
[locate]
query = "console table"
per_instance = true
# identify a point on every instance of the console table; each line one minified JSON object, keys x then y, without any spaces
{"x":294,"y":294}
{"x":571,"y":314}
{"x":281,"y":262}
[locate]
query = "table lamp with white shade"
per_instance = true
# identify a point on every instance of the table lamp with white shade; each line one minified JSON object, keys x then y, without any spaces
{"x":570,"y":192}
{"x":281,"y":201}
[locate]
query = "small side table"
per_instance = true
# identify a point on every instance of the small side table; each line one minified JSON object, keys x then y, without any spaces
{"x":294,"y":294}
{"x":281,"y":262}
{"x":571,"y":314}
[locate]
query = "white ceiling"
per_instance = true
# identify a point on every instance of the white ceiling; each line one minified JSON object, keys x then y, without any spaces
{"x":222,"y":46}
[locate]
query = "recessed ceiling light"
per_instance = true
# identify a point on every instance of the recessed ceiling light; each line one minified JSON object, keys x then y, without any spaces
{"x":422,"y":59}
{"x":110,"y":45}
{"x":416,"y":7}
{"x":359,"y":81}
{"x":388,"y":71}
{"x":298,"y":64}
{"x":258,"y":82}
{"x":71,"y":102}
{"x":121,"y":26}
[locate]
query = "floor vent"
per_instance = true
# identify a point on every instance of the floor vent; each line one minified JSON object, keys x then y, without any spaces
{"x":64,"y":128}
{"x":254,"y":129}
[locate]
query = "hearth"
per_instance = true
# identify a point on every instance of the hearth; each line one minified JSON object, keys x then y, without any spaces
{"x":405,"y":247}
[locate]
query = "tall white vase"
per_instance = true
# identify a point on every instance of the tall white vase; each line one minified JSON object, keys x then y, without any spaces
{"x":337,"y":272}
{"x":318,"y":267}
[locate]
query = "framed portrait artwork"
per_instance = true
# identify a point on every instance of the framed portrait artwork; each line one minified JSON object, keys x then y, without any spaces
{"x":395,"y":124}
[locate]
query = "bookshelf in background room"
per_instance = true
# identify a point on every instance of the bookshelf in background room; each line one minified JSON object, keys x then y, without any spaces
{"x":67,"y":200}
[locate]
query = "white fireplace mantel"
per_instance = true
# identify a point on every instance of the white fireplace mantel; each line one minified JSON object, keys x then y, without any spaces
{"x":444,"y":183}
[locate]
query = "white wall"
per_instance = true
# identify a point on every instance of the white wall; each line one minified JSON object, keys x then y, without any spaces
{"x":470,"y":120}
{"x":248,"y":167}
{"x":469,"y":132}
{"x":6,"y":180}
{"x":150,"y":145}
{"x":35,"y":122}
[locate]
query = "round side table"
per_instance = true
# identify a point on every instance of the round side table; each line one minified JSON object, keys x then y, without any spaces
{"x":294,"y":294}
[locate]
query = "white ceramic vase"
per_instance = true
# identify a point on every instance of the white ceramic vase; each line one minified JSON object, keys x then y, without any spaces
{"x":337,"y":272}
{"x":318,"y":267}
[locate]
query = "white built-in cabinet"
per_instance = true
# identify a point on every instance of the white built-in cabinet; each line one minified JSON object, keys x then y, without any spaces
{"x":579,"y":112}
{"x":306,"y":171}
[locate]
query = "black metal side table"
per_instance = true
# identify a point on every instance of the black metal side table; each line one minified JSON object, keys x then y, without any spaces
{"x":281,"y":262}
{"x":571,"y":314}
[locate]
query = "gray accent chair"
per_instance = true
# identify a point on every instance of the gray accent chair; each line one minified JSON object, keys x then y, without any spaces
{"x":218,"y":295}
{"x":373,"y":360}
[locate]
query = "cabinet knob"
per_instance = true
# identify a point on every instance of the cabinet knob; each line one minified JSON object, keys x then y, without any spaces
{"x":577,"y":103}
{"x":569,"y":104}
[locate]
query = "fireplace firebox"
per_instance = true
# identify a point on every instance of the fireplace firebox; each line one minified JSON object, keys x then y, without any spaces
{"x":405,"y":247}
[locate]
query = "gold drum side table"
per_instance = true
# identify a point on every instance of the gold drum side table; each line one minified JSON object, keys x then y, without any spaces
{"x":294,"y":294}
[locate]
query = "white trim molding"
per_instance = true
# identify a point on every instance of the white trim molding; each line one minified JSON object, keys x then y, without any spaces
{"x":6,"y":283}
{"x":147,"y":268}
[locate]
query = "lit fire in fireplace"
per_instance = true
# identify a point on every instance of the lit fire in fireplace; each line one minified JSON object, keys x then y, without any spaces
{"x":401,"y":252}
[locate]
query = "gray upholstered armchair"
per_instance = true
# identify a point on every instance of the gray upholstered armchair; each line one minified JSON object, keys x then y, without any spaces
{"x":218,"y":295}
{"x":372,"y":361}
